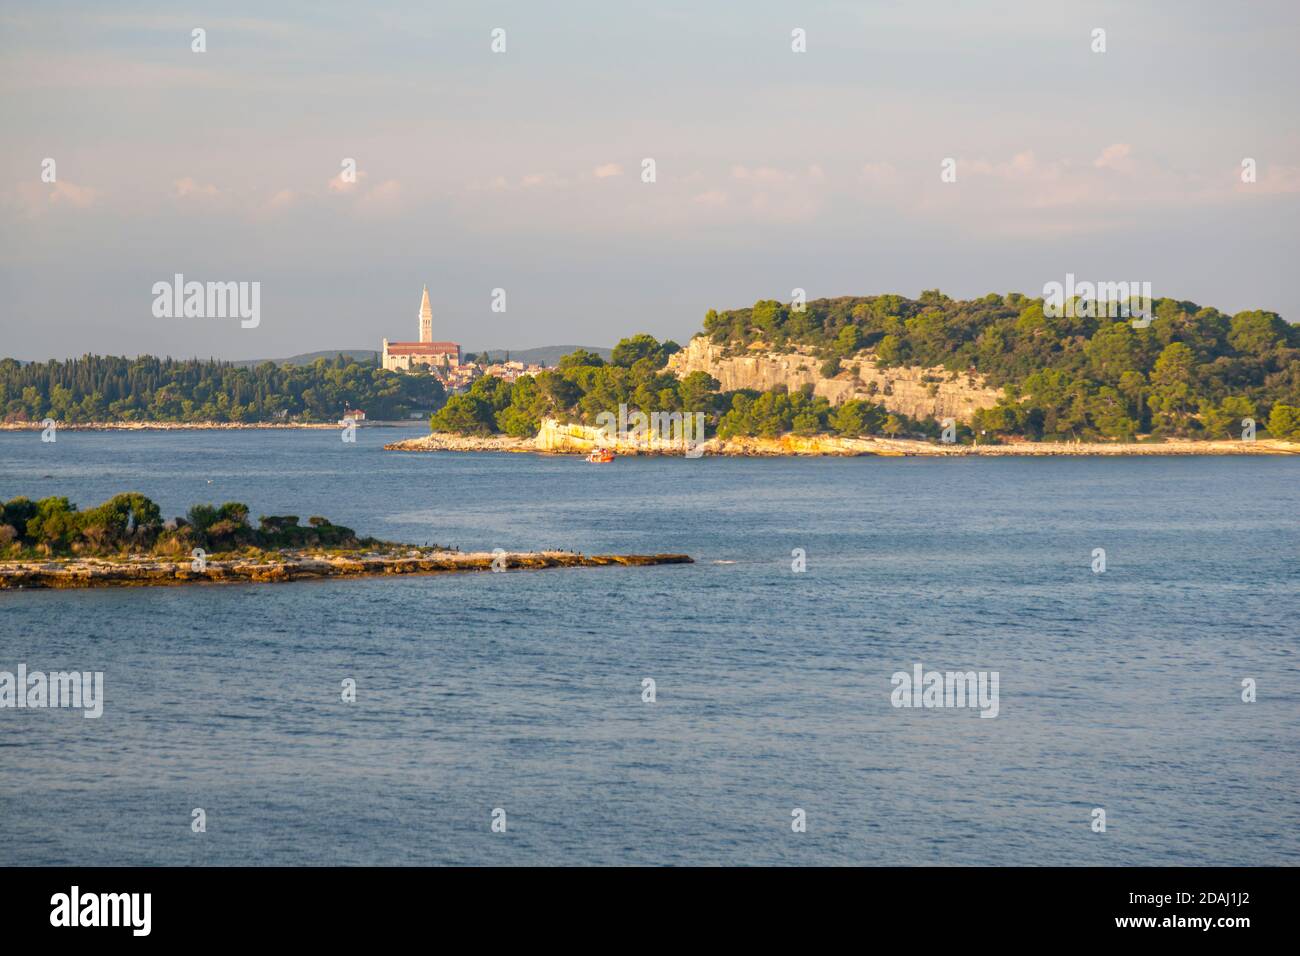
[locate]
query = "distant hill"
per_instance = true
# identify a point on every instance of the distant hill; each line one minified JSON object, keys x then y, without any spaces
{"x":544,"y":355}
{"x":306,"y":358}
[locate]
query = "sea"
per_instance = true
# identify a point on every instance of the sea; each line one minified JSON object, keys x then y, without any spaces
{"x":740,"y":710}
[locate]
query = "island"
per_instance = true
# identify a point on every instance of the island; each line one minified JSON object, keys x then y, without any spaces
{"x":888,"y":375}
{"x":125,"y":543}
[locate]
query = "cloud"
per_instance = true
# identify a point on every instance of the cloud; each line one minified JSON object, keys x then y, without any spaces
{"x":1273,"y":181}
{"x":1023,"y":166}
{"x":1116,"y":157}
{"x":880,"y":175}
{"x":713,"y":197}
{"x":607,"y":170}
{"x":383,"y":198}
{"x":340,"y":184}
{"x":187,"y":188}
{"x":70,"y":194}
{"x":380,"y":197}
{"x":782,"y":195}
{"x":501,"y":184}
{"x":760,"y":174}
{"x":33,"y":199}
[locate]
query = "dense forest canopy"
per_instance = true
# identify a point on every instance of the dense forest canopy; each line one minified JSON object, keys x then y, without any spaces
{"x":1192,"y":371}
{"x":110,"y":388}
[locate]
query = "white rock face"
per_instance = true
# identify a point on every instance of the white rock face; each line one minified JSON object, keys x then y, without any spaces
{"x":906,"y":390}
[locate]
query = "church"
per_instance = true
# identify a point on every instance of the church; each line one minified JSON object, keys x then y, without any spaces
{"x":435,"y":356}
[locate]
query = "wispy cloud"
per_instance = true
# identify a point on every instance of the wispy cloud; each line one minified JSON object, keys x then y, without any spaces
{"x":34,"y":199}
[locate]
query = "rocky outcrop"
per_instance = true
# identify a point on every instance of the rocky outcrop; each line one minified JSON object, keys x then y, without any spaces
{"x":146,"y":571}
{"x":917,"y":392}
{"x":449,"y":441}
{"x":569,"y":438}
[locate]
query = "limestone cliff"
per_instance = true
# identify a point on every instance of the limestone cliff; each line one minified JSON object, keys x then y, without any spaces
{"x":917,"y":392}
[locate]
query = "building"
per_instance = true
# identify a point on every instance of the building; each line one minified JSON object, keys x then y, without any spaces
{"x":434,"y":356}
{"x":513,"y":370}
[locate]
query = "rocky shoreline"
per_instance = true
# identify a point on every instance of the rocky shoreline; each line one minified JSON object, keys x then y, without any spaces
{"x":578,"y":440}
{"x":449,"y":441}
{"x":146,"y":571}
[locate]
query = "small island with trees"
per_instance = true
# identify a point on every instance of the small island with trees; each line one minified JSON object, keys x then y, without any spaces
{"x":49,"y":543}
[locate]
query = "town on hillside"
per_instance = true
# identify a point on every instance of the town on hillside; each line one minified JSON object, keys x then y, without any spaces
{"x":444,"y":360}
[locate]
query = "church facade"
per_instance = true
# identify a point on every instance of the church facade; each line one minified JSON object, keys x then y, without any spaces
{"x":433,"y":356}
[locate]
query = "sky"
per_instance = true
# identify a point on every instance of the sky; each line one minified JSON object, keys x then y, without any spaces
{"x":521,"y":170}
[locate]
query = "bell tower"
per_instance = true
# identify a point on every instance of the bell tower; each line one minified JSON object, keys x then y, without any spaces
{"x":426,"y":318}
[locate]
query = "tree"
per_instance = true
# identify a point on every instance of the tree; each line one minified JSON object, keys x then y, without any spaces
{"x":806,"y":423}
{"x":1112,"y":352}
{"x":1256,"y":333}
{"x":1110,"y":414}
{"x":856,"y":417}
{"x":1171,"y":382}
{"x":767,"y":317}
{"x":55,"y":523}
{"x":631,"y":350}
{"x":17,"y":512}
{"x":464,"y":415}
{"x":579,"y":358}
{"x":1224,"y":420}
{"x":890,"y":350}
{"x":849,"y":340}
{"x":1001,"y":419}
{"x":1284,"y":422}
{"x":696,"y":392}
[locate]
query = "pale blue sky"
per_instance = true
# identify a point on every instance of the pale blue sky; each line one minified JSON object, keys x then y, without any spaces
{"x":520,"y":170}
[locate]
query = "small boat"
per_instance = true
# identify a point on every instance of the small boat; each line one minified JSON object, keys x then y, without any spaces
{"x":600,"y":456}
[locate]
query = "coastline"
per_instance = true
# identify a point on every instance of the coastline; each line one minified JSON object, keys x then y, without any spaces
{"x":151,"y":571}
{"x":829,"y":446}
{"x":190,"y":426}
{"x":557,"y":439}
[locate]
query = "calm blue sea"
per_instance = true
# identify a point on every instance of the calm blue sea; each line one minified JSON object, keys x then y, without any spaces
{"x":522,"y":691}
